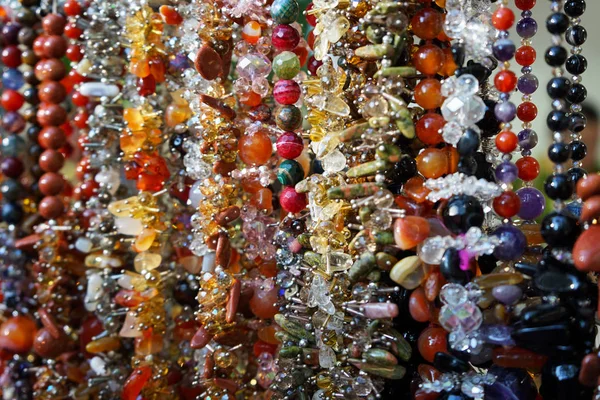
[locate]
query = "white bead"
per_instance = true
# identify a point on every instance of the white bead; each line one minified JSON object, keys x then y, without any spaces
{"x":128,"y":226}
{"x":97,"y":89}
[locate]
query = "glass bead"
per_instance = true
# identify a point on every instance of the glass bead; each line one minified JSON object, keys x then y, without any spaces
{"x":285,"y":37}
{"x":286,"y":65}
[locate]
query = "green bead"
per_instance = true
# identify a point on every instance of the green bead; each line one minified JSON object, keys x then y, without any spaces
{"x":290,"y":172}
{"x":288,"y":118}
{"x":285,"y":11}
{"x":286,"y":65}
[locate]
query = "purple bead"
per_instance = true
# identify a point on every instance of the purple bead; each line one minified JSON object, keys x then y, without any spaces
{"x":10,"y":33}
{"x":507,"y":172}
{"x":504,"y":49}
{"x":533,"y":203}
{"x":512,"y":243}
{"x":528,"y":139}
{"x":505,"y":112}
{"x":527,"y":28}
{"x":507,"y":294}
{"x":527,"y":84}
{"x":511,"y":384}
{"x":13,"y":122}
{"x":179,"y":63}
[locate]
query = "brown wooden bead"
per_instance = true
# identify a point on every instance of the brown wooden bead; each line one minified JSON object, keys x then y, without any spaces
{"x":208,"y":63}
{"x":45,"y":345}
{"x":588,"y":186}
{"x":55,"y":46}
{"x":51,"y":69}
{"x":586,"y":252}
{"x":590,"y":209}
{"x":51,"y":115}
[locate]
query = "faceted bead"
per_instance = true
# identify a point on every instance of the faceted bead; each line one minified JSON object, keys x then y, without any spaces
{"x":286,"y":65}
{"x":17,"y":334}
{"x":410,"y":231}
{"x":505,"y":81}
{"x":289,"y":145}
{"x":290,"y":172}
{"x":533,"y":203}
{"x":429,"y":59}
{"x":286,"y":91}
{"x":529,"y":168}
{"x":418,"y":306}
{"x":461,"y":213}
{"x":255,"y":148}
{"x":285,"y":11}
{"x":525,"y":56}
{"x":292,"y":201}
{"x":428,"y":129}
{"x":288,"y":118}
{"x":527,"y":111}
{"x":285,"y":37}
{"x":431,"y":341}
{"x":503,"y":18}
{"x":507,"y":205}
{"x":427,"y":23}
{"x":428,"y":94}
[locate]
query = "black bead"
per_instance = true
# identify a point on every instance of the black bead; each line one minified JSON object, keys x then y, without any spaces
{"x":574,"y":8}
{"x":576,"y":35}
{"x":577,"y":122}
{"x":31,"y":96}
{"x":176,"y":142}
{"x":458,"y":54}
{"x":577,"y":93}
{"x":467,"y":165}
{"x":559,"y":153}
{"x":489,"y":125}
{"x":29,"y":77}
{"x":557,"y":23}
{"x":484,"y":168}
{"x":557,"y":120}
{"x":556,"y":56}
{"x":450,"y":267}
{"x":558,"y":88}
{"x":12,"y":213}
{"x":487,"y":263}
{"x":578,"y":150}
{"x":468,"y":143}
{"x":11,"y":190}
{"x":36,"y":171}
{"x":35,"y":151}
{"x":576,"y":64}
{"x":477,"y":70}
{"x":461,"y":213}
{"x":403,"y":170}
{"x":32,"y":133}
{"x":575,"y":174}
{"x":544,"y":314}
{"x":558,"y":187}
{"x":448,"y":363}
{"x":559,"y":230}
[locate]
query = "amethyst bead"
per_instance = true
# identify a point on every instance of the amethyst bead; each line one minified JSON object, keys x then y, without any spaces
{"x":512,"y":243}
{"x":13,"y":122}
{"x":507,"y":294}
{"x":506,"y":172}
{"x":528,"y":139}
{"x":533,"y":203}
{"x":527,"y":84}
{"x":527,"y":28}
{"x":504,"y":49}
{"x":511,"y":384}
{"x":10,"y":33}
{"x":505,"y":111}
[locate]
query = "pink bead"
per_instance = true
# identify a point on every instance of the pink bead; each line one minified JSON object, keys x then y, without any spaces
{"x":380,"y":310}
{"x":286,"y":91}
{"x":292,"y":201}
{"x":285,"y":37}
{"x":289,"y":145}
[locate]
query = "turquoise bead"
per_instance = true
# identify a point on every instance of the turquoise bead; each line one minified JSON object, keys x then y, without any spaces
{"x":290,"y":172}
{"x":285,"y":11}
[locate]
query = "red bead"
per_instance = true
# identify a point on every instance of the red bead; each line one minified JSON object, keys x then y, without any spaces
{"x":302,"y":53}
{"x":525,"y":56}
{"x":263,"y":347}
{"x":51,"y":115}
{"x":80,"y":119}
{"x":431,"y":341}
{"x":311,"y":18}
{"x":285,"y":37}
{"x":72,"y":31}
{"x":292,"y":201}
{"x":11,"y":100}
{"x":503,"y":18}
{"x":74,"y":53}
{"x":529,"y":168}
{"x":286,"y":91}
{"x":310,"y":39}
{"x":11,"y":56}
{"x":427,"y":23}
{"x":428,"y":129}
{"x":505,"y":81}
{"x":135,"y":383}
{"x":79,"y":100}
{"x":525,"y":4}
{"x":55,"y":46}
{"x":146,"y":86}
{"x":313,"y":65}
{"x":289,"y":145}
{"x":86,"y":189}
{"x":527,"y":111}
{"x":507,"y":205}
{"x":72,"y":8}
{"x":507,"y":141}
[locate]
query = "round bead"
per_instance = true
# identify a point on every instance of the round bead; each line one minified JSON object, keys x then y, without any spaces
{"x":286,"y":65}
{"x":512,"y":243}
{"x":13,"y":122}
{"x":577,"y":93}
{"x":51,"y":161}
{"x":506,"y":141}
{"x":559,"y":153}
{"x":255,"y":148}
{"x":576,"y":64}
{"x":558,"y":87}
{"x":559,"y":230}
{"x":286,"y":91}
{"x":428,"y":129}
{"x":292,"y":201}
{"x":506,"y":172}
{"x":12,"y":167}
{"x":51,"y":184}
{"x":575,"y":8}
{"x":54,"y":46}
{"x":285,"y":11}
{"x":556,"y":56}
{"x":468,"y":143}
{"x":461,"y":213}
{"x":507,"y":205}
{"x":428,"y":94}
{"x":10,"y":33}
{"x":527,"y":111}
{"x":11,"y":100}
{"x":72,"y":8}
{"x":52,"y":92}
{"x":52,"y":137}
{"x":285,"y":37}
{"x":290,"y":172}
{"x":251,"y":32}
{"x":431,"y":341}
{"x":525,"y":4}
{"x":503,"y":49}
{"x":72,"y":31}
{"x":527,"y":28}
{"x":557,"y":120}
{"x":529,"y":168}
{"x":558,"y":187}
{"x":525,"y":56}
{"x":51,"y":69}
{"x":429,"y":59}
{"x":312,"y":65}
{"x":288,"y":118}
{"x":289,"y":145}
{"x":505,"y":111}
{"x":557,"y":23}
{"x":10,"y":189}
{"x":51,"y":115}
{"x":505,"y":81}
{"x":528,"y":139}
{"x":576,"y":35}
{"x":427,"y":23}
{"x":11,"y":56}
{"x":533,"y":203}
{"x":12,"y":79}
{"x":528,"y":84}
{"x":578,"y":150}
{"x":51,"y":207}
{"x":54,"y":24}
{"x":503,"y":18}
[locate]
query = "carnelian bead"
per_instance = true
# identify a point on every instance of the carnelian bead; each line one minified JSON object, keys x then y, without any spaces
{"x":72,"y":8}
{"x":263,"y":347}
{"x":449,"y":65}
{"x":428,"y":94}
{"x":527,"y":111}
{"x":525,"y":56}
{"x":250,"y":98}
{"x":251,"y":32}
{"x":135,"y":383}
{"x":170,"y":15}
{"x":157,"y":69}
{"x":17,"y":333}
{"x":427,"y":23}
{"x":72,"y":31}
{"x":418,"y":306}
{"x":507,"y":141}
{"x":146,"y":86}
{"x":263,"y":200}
{"x":12,"y":100}
{"x":255,"y":148}
{"x":428,"y":129}
{"x":529,"y":168}
{"x":80,"y":119}
{"x":507,"y":204}
{"x":503,"y":18}
{"x":505,"y":81}
{"x":74,"y":53}
{"x":432,"y":340}
{"x":429,"y":59}
{"x":415,"y":189}
{"x":263,"y":303}
{"x":79,"y":100}
{"x":433,"y":163}
{"x":525,"y":4}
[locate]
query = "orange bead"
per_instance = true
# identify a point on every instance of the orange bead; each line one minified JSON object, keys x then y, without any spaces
{"x":263,"y":200}
{"x":433,"y":163}
{"x":255,"y":148}
{"x":418,"y":306}
{"x":429,"y":59}
{"x":503,"y":18}
{"x":415,"y":189}
{"x":505,"y":81}
{"x":135,"y":383}
{"x":251,"y":32}
{"x":428,"y":94}
{"x":251,"y":184}
{"x":449,"y":65}
{"x":529,"y":168}
{"x":432,"y":340}
{"x":250,"y":98}
{"x":428,"y":129}
{"x":427,"y":23}
{"x":139,"y":67}
{"x":263,"y":303}
{"x":17,"y":334}
{"x":507,"y":141}
{"x":170,"y":15}
{"x":515,"y":357}
{"x":507,"y":205}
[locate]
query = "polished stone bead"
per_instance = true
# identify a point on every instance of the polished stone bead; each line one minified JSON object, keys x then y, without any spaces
{"x":507,"y":294}
{"x":557,"y":282}
{"x":448,"y":363}
{"x":410,"y":231}
{"x":431,"y":341}
{"x":461,"y":213}
{"x":586,"y":252}
{"x":290,"y":172}
{"x":450,"y":267}
{"x":560,"y":230}
{"x":533,"y":203}
{"x":285,"y":11}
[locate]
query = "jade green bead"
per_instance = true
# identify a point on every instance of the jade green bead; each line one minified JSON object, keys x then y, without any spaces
{"x":285,"y":11}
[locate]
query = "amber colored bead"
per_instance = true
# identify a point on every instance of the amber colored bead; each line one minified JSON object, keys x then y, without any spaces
{"x":251,"y":184}
{"x":432,"y":340}
{"x":268,"y":269}
{"x":432,"y":285}
{"x":428,"y":129}
{"x":449,"y":66}
{"x":428,"y":94}
{"x":255,"y":148}
{"x":263,"y":200}
{"x":157,"y":69}
{"x":516,"y":357}
{"x":433,"y":163}
{"x":525,"y":56}
{"x":418,"y":306}
{"x":267,"y":334}
{"x":47,"y":346}
{"x":505,"y":81}
{"x":503,"y":18}
{"x":410,"y":231}
{"x":415,"y":189}
{"x":145,"y":346}
{"x":250,"y":98}
{"x":170,"y":15}
{"x":427,"y":23}
{"x":527,"y":111}
{"x":428,"y":373}
{"x":428,"y":59}
{"x":507,"y":204}
{"x":17,"y":333}
{"x":51,"y":92}
{"x":103,"y":345}
{"x":507,"y":141}
{"x":529,"y":168}
{"x":51,"y":207}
